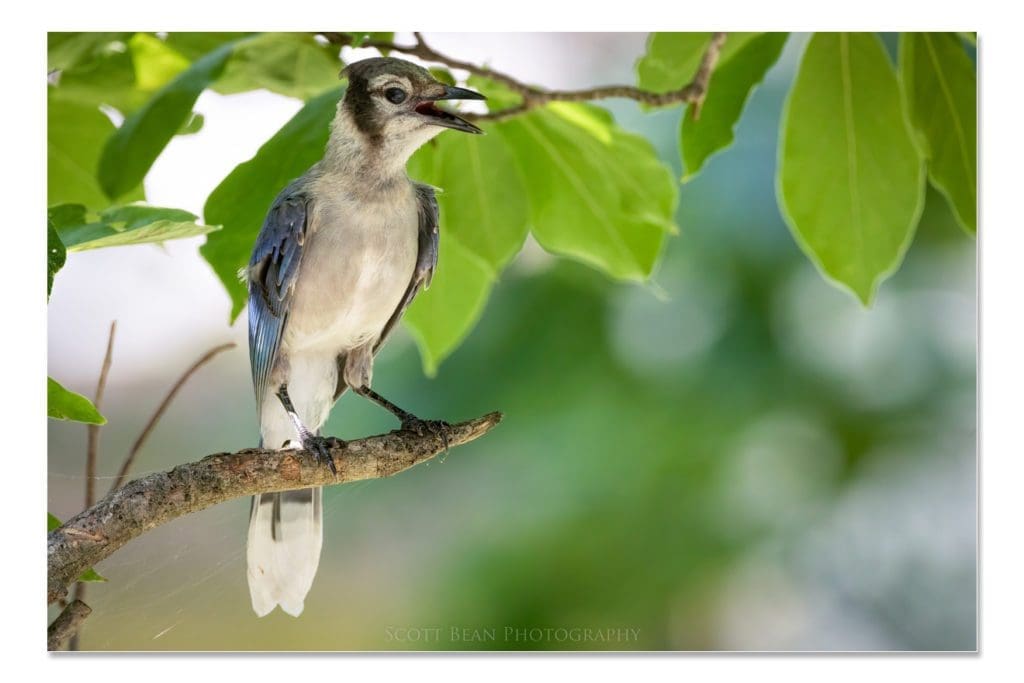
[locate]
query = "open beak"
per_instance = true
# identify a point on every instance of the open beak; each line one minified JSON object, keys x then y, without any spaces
{"x":446,"y":119}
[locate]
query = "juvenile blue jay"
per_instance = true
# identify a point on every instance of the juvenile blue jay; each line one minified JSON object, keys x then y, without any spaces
{"x":341,"y":254}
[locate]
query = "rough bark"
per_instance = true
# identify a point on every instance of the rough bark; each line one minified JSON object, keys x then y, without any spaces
{"x":66,"y":624}
{"x":150,"y":501}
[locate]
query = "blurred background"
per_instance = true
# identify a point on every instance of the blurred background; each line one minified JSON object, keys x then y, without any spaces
{"x":734,"y":456}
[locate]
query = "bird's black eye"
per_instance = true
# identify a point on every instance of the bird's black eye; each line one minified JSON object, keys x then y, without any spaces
{"x":395,"y":95}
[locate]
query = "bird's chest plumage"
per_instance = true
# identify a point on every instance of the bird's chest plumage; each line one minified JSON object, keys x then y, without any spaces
{"x":355,"y":270}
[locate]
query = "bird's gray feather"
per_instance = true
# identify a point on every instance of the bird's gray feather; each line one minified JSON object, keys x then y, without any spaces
{"x":426,"y":260}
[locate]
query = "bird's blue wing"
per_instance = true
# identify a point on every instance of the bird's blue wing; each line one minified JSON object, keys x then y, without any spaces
{"x":426,"y":260}
{"x":272,"y":272}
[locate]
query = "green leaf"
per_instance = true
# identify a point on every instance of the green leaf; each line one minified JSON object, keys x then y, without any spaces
{"x":89,"y":574}
{"x":56,"y":255}
{"x":241,"y":201}
{"x":292,"y":64}
{"x":672,"y":59}
{"x":483,"y":225}
{"x":156,"y":63}
{"x":193,"y":125}
{"x":66,"y":215}
{"x":482,"y":199}
{"x":850,"y":180}
{"x":66,"y":50}
{"x":499,"y":95}
{"x":127,"y":225}
{"x":360,"y":37}
{"x":74,"y":139}
{"x":940,"y":88}
{"x":441,"y":317}
{"x":130,"y":151}
{"x":193,"y":45}
{"x":62,"y":404}
{"x":441,"y":74}
{"x":595,"y":192}
{"x":107,"y":75}
{"x":970,"y":36}
{"x":730,"y":86}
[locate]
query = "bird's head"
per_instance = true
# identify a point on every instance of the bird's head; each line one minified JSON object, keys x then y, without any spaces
{"x":392,"y":101}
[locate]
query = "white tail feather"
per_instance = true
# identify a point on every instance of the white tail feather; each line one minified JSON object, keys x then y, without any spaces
{"x":283,"y":549}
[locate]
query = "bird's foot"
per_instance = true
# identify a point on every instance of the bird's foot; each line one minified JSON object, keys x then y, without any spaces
{"x":320,"y":447}
{"x":439,"y":428}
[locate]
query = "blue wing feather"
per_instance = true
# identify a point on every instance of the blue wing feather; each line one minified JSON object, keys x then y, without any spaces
{"x":273,"y":269}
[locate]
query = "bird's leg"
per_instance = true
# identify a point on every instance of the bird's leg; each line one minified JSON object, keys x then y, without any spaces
{"x":319,"y":446}
{"x":410,"y":422}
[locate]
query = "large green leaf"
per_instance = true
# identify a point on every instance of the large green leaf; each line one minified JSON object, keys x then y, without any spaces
{"x":292,"y":64}
{"x":482,"y":200}
{"x":850,"y":179}
{"x":672,"y":59}
{"x":89,"y":574}
{"x":441,"y":317}
{"x":730,"y":86}
{"x":74,"y":139}
{"x":62,"y":404}
{"x":130,"y":152}
{"x":483,"y":225}
{"x":56,"y":255}
{"x":596,"y":193}
{"x":123,"y":225}
{"x":940,"y":88}
{"x":241,"y":201}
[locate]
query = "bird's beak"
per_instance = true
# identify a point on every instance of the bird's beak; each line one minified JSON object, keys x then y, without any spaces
{"x":446,"y":119}
{"x":453,"y":93}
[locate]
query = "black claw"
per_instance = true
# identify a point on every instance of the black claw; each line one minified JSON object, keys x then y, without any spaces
{"x":420,"y":427}
{"x":320,"y":448}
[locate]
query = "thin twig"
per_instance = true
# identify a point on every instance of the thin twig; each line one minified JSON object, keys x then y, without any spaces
{"x":66,"y":624}
{"x":92,"y":455}
{"x":92,"y":450}
{"x":122,"y":475}
{"x":693,"y":92}
{"x":147,"y":502}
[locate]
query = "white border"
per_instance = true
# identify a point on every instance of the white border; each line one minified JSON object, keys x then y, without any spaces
{"x":1002,"y":342}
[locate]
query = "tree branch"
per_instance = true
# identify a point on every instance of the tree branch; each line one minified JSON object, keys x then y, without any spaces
{"x":145,"y":503}
{"x":693,"y":92}
{"x":66,"y":624}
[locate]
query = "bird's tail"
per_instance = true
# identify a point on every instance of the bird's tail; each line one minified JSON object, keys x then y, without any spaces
{"x":283,"y":549}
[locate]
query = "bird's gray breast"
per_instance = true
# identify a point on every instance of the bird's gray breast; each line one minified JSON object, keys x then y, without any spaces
{"x":356,"y":267}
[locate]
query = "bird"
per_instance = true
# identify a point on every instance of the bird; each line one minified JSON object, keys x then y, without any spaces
{"x":341,"y":254}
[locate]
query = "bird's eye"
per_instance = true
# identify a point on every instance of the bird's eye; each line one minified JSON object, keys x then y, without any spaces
{"x":395,"y":95}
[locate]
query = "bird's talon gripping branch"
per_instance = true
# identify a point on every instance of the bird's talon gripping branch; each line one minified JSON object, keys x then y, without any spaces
{"x":320,"y":448}
{"x":438,"y":428}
